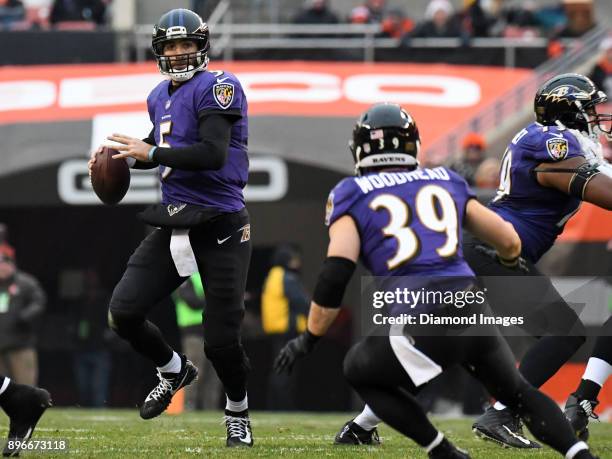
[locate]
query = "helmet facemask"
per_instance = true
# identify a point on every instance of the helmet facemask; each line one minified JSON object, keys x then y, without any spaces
{"x":598,"y":123}
{"x":181,"y":67}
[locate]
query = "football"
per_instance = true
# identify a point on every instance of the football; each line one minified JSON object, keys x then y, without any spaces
{"x":110,"y":178}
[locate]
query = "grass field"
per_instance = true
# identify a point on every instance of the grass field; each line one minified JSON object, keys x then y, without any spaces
{"x":122,"y":434}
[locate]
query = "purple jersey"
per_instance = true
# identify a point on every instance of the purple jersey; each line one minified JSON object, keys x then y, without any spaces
{"x":409,"y":221}
{"x":537,"y":213}
{"x":176,"y":118}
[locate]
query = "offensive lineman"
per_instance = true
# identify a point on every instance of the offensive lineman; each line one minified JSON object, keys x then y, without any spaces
{"x":199,"y":142}
{"x":538,"y":202}
{"x":409,"y":224}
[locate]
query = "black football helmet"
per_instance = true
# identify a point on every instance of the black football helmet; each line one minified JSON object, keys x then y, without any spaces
{"x":571,"y":99}
{"x":385,"y":135}
{"x":181,"y":24}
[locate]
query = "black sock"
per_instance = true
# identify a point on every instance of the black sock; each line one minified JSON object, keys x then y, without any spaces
{"x":546,"y":356}
{"x":588,"y":390}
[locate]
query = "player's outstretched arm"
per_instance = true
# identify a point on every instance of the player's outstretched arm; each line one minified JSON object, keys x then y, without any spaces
{"x":489,"y":227}
{"x":342,"y":254}
{"x":577,"y":177}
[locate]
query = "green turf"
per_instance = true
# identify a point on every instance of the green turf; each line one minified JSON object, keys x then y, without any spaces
{"x":122,"y":434}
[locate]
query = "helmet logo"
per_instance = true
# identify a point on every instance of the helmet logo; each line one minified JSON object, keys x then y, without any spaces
{"x":560,"y":91}
{"x":557,"y":148}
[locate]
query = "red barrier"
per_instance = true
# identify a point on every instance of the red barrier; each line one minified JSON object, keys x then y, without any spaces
{"x":439,"y":96}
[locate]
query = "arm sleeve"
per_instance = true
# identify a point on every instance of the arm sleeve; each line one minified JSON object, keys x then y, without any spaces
{"x":209,"y":154}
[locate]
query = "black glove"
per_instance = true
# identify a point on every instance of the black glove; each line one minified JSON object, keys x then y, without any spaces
{"x":518,"y":263}
{"x":294,"y":349}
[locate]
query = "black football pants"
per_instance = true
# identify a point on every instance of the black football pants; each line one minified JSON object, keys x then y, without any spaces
{"x":548,"y":315}
{"x":151,"y":276}
{"x":374,"y":370}
{"x":603,"y":344}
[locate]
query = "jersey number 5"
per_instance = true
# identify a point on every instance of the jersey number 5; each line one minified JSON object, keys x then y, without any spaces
{"x":165,"y":129}
{"x":435,"y":209}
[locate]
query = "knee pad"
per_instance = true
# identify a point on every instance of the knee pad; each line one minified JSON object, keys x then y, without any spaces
{"x":355,"y":365}
{"x":123,"y":323}
{"x":222,"y":330}
{"x":111,"y":322}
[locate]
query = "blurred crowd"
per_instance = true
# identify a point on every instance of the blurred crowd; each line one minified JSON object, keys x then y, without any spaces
{"x":476,"y":18}
{"x":53,"y":14}
{"x":480,"y":168}
{"x":473,"y":164}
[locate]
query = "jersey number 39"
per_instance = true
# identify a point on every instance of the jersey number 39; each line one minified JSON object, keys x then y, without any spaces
{"x":435,"y":209}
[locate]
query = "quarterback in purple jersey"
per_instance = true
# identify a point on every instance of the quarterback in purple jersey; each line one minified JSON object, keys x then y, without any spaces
{"x":199,"y":144}
{"x":403,"y":220}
